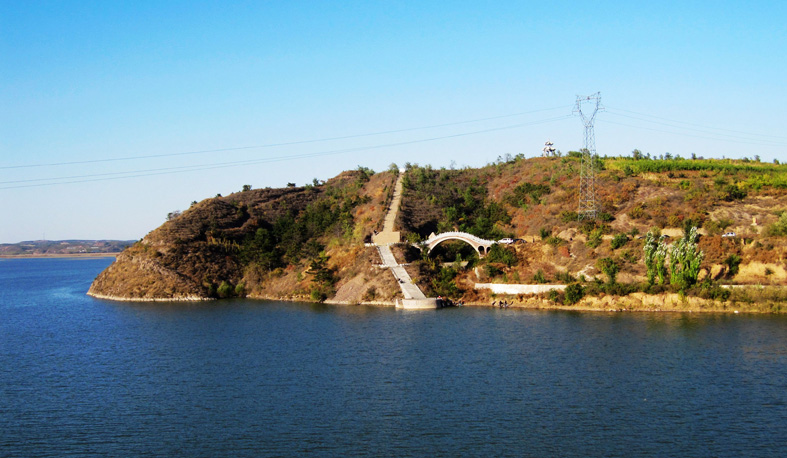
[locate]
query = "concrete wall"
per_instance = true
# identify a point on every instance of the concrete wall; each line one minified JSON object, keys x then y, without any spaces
{"x":503,"y":288}
{"x":416,"y":304}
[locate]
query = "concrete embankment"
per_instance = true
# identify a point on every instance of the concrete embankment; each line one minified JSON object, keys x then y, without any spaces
{"x":150,"y":299}
{"x":503,"y":288}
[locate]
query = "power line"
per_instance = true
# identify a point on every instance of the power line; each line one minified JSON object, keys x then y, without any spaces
{"x":274,"y":145}
{"x":209,"y":166}
{"x":695,"y":125}
{"x":749,"y":142}
{"x":717,"y":135}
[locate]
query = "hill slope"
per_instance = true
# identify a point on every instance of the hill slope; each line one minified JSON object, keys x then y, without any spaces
{"x":307,"y":243}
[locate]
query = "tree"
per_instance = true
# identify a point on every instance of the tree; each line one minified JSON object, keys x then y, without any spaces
{"x":610,"y":269}
{"x":246,"y":187}
{"x":173,"y":215}
{"x":655,"y":255}
{"x":685,"y":260}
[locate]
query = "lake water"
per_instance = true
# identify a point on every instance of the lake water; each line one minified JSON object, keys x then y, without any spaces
{"x":85,"y":377}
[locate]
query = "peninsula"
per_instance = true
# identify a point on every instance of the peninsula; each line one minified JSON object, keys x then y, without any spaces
{"x":322,"y":241}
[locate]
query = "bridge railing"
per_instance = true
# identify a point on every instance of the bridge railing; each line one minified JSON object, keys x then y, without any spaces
{"x":459,"y":234}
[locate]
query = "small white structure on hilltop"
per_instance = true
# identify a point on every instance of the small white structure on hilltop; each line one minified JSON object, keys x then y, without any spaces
{"x":549,"y":149}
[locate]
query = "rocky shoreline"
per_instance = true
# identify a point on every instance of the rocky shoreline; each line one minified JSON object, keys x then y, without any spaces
{"x":637,"y":302}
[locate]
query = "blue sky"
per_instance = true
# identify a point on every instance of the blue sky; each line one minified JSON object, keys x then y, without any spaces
{"x":86,"y":84}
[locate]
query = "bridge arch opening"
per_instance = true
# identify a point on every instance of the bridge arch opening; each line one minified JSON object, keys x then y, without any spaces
{"x":450,"y":250}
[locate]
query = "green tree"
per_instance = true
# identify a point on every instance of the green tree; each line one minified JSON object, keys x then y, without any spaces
{"x":655,"y":255}
{"x":610,"y":269}
{"x":246,"y":187}
{"x":685,"y":260}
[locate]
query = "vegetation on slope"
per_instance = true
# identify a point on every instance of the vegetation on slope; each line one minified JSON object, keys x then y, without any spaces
{"x":307,"y":242}
{"x":534,"y":201}
{"x":257,"y":242}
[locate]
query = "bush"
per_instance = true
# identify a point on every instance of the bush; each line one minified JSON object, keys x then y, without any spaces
{"x":501,"y":254}
{"x":370,"y":293}
{"x":619,"y":240}
{"x":317,"y":295}
{"x":555,"y":241}
{"x":492,"y":271}
{"x":224,"y":290}
{"x":779,"y":228}
{"x":610,"y":269}
{"x":539,"y":277}
{"x":733,"y":263}
{"x":574,"y":292}
{"x":594,"y":240}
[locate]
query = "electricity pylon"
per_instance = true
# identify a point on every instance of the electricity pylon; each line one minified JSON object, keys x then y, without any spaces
{"x":588,"y":208}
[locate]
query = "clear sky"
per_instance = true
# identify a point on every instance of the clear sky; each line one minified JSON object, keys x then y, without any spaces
{"x":107,"y":108}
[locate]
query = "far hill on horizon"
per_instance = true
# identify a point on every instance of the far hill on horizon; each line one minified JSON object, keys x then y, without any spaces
{"x":63,"y":247}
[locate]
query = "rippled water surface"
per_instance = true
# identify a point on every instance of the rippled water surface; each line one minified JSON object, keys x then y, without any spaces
{"x":84,"y":377}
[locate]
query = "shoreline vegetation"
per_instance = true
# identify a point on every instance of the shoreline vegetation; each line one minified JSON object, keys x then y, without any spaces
{"x":671,"y":234}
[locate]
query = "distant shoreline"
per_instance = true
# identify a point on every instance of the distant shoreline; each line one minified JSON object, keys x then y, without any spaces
{"x":58,"y":255}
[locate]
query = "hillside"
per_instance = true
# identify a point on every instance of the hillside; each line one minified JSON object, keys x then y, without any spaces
{"x":296,"y":242}
{"x":307,"y":242}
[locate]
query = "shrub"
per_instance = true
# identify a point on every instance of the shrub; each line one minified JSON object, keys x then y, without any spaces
{"x":224,"y":290}
{"x":539,"y":277}
{"x":733,"y":263}
{"x":574,"y":292}
{"x":619,"y":240}
{"x":370,"y":293}
{"x":492,"y":271}
{"x":609,"y":267}
{"x":594,"y":239}
{"x":501,"y":254}
{"x":317,"y":295}
{"x":779,"y":228}
{"x":555,"y":241}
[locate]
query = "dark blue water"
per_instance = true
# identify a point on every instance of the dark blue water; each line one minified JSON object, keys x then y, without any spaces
{"x":84,"y":377}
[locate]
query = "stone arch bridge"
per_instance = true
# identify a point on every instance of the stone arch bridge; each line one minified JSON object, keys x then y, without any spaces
{"x":480,"y":245}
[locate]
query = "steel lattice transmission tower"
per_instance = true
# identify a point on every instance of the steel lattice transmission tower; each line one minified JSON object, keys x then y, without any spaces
{"x":588,"y":208}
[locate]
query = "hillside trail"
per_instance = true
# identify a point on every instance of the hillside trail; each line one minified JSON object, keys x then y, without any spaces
{"x":388,"y":236}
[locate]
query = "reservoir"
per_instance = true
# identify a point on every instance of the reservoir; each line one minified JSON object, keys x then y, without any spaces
{"x":244,"y":378}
